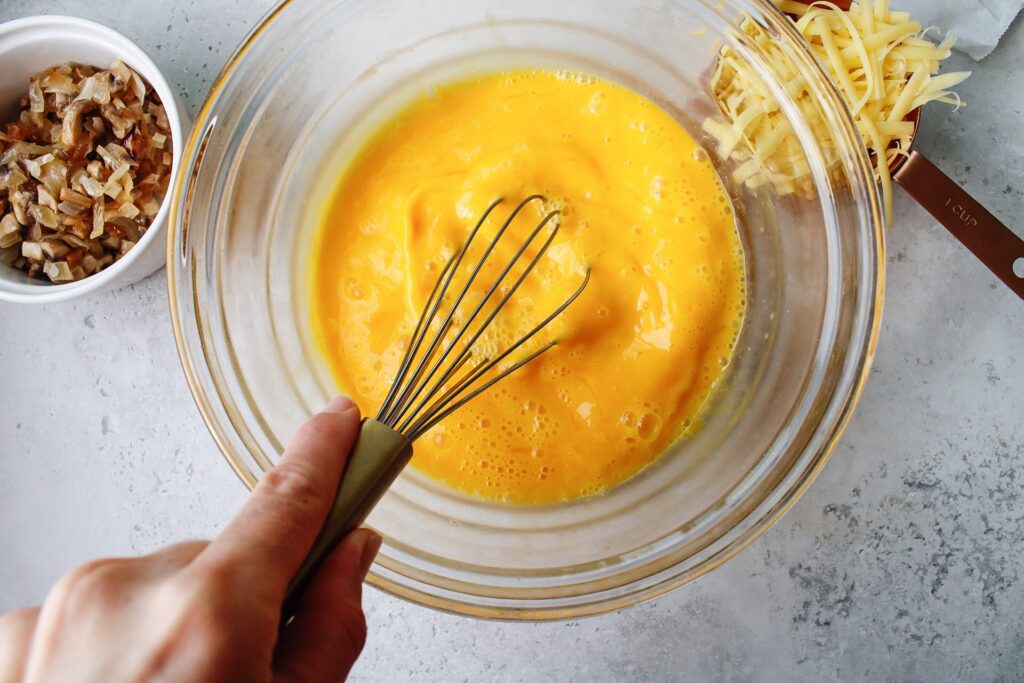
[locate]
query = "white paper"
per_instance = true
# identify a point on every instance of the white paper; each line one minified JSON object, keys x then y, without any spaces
{"x":977,"y":24}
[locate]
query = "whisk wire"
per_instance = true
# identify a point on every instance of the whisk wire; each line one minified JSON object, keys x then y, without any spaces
{"x":468,"y":345}
{"x":432,"y":416}
{"x":416,"y":433}
{"x":425,"y":390}
{"x":414,"y":388}
{"x":410,"y":390}
{"x":421,"y":324}
{"x":426,"y":318}
{"x":439,"y":402}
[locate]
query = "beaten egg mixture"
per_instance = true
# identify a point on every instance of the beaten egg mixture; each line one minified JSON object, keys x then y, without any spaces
{"x":639,"y":352}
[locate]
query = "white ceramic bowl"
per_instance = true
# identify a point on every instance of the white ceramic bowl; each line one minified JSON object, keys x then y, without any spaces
{"x":30,"y":45}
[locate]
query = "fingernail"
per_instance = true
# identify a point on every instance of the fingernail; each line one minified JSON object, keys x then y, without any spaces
{"x":370,"y":548}
{"x":341,"y":404}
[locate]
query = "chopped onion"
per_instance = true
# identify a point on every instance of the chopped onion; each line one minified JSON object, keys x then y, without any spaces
{"x":10,"y":231}
{"x":83,"y":170}
{"x":58,"y":271}
{"x":35,"y":97}
{"x":97,"y":218}
{"x":32,"y":251}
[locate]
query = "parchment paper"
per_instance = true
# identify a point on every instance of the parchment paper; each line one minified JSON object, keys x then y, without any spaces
{"x":977,"y":24}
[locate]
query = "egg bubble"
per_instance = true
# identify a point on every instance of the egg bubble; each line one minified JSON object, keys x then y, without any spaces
{"x":648,"y":426}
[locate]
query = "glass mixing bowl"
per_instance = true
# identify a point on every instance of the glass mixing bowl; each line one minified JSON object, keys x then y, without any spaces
{"x":288,"y":112}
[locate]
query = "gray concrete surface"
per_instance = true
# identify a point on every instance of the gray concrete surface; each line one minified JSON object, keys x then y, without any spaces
{"x":904,"y":561}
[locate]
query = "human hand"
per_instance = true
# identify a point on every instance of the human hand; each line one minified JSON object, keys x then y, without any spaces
{"x":210,"y":611}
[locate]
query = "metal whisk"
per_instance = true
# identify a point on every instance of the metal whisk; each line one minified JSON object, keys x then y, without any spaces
{"x":437,"y":375}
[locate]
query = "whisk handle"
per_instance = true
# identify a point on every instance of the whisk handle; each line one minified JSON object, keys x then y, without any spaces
{"x":377,"y":458}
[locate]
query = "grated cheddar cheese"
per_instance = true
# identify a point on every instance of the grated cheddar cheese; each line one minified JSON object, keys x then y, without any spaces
{"x":882,"y":62}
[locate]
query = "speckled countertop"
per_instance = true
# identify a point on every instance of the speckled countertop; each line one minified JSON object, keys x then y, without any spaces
{"x":904,"y":561}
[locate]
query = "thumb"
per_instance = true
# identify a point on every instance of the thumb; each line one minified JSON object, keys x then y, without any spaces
{"x":329,"y":629}
{"x":266,"y":542}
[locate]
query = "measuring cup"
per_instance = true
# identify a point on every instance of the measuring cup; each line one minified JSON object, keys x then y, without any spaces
{"x":994,"y":244}
{"x":986,"y":236}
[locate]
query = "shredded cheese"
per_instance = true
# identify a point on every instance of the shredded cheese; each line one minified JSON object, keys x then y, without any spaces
{"x":882,"y":62}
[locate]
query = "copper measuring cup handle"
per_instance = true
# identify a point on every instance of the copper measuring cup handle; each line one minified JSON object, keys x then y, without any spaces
{"x":993,"y":243}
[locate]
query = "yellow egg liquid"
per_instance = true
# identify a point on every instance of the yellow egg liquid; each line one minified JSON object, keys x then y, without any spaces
{"x":639,"y":352}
